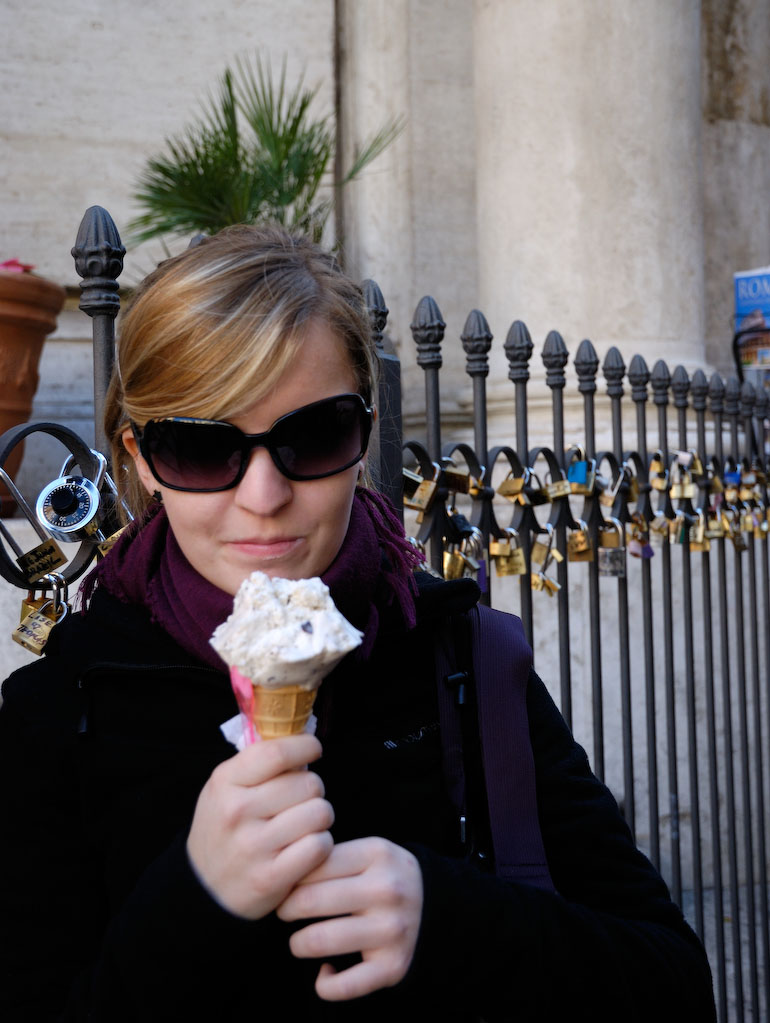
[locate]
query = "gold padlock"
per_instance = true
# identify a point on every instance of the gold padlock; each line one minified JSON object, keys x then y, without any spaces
{"x":499,"y":548}
{"x":699,"y":542}
{"x":539,"y":581}
{"x":32,"y":603}
{"x":44,"y":558}
{"x":454,"y":564}
{"x":579,"y":547}
{"x":557,"y":489}
{"x":106,"y":546}
{"x":507,"y":554}
{"x":609,"y":536}
{"x":511,"y":564}
{"x":457,"y":481}
{"x":714,"y":528}
{"x":32,"y":633}
{"x":540,"y":551}
{"x":511,"y":486}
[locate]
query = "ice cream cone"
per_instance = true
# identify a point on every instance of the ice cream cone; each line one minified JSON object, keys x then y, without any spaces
{"x":282,"y":711}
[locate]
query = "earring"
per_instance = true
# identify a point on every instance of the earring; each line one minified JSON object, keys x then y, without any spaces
{"x":157,"y":497}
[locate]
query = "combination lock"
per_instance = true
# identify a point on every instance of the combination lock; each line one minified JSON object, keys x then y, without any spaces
{"x":69,"y":508}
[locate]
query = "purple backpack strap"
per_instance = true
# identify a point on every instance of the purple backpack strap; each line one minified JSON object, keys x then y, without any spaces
{"x":502,"y":659}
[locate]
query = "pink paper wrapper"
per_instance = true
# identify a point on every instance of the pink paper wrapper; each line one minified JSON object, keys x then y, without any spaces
{"x":244,"y":694}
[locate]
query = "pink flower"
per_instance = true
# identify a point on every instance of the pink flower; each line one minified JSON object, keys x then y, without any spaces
{"x":14,"y":266}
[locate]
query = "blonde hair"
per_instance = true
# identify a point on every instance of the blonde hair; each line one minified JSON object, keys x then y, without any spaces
{"x":210,"y":332}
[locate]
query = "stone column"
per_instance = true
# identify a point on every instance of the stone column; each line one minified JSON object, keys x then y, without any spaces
{"x":410,"y":221}
{"x":736,"y":157}
{"x":590,"y":214}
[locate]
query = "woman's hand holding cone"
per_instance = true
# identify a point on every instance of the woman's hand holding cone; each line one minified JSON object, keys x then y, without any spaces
{"x":370,"y":892}
{"x":261,"y":824}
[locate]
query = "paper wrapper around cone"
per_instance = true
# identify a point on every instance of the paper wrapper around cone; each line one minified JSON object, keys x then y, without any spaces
{"x":283,"y":711}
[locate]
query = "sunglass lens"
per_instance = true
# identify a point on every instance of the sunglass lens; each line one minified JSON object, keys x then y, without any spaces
{"x":194,"y":456}
{"x":322,"y":439}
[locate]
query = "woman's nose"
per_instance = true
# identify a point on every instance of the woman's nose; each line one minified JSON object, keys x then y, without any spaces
{"x":264,"y":489}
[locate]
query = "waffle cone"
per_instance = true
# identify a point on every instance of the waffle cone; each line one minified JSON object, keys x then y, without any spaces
{"x":282,"y":711}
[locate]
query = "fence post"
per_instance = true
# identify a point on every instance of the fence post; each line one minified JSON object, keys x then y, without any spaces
{"x":98,"y":253}
{"x":390,"y":433}
{"x":428,"y":332}
{"x":518,"y":350}
{"x":639,"y":378}
{"x":555,"y":356}
{"x":586,"y":367}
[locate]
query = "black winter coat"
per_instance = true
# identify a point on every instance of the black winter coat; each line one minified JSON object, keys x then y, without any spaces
{"x":105,"y":744}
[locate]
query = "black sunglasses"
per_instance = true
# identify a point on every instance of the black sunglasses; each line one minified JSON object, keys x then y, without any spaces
{"x":206,"y":455}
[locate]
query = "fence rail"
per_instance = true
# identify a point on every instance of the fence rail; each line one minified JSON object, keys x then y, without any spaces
{"x":655,"y":552}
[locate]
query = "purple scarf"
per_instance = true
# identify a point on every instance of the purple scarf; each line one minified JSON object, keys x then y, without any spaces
{"x":373,"y":570}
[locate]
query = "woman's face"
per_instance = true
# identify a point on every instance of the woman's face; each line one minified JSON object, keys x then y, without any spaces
{"x":268,"y":522}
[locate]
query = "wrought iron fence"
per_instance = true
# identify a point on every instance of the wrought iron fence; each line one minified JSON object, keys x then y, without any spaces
{"x":639,"y":567}
{"x":654,"y":554}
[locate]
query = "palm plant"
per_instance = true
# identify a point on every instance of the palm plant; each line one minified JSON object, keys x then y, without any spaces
{"x":256,"y":153}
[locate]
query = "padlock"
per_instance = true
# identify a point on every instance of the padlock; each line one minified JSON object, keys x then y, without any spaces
{"x":714,"y":528}
{"x":540,"y":551}
{"x":579,"y":546}
{"x":511,"y":564}
{"x":611,"y":554}
{"x":557,"y":489}
{"x":44,"y":558}
{"x":32,"y":603}
{"x":611,"y":562}
{"x":33,"y":631}
{"x":659,"y":524}
{"x":472,"y":549}
{"x":511,"y":486}
{"x":457,"y":481}
{"x":610,"y":536}
{"x":699,"y":542}
{"x":106,"y":546}
{"x":454,"y":564}
{"x":418,"y":492}
{"x":541,"y":582}
{"x":739,"y":541}
{"x":581,"y":475}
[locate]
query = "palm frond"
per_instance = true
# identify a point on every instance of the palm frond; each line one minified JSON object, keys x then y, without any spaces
{"x":256,"y":152}
{"x":373,"y":147}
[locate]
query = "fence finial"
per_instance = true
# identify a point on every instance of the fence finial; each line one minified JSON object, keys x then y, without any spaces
{"x":477,"y":340}
{"x":748,"y":399}
{"x":700,"y":389}
{"x":98,"y":253}
{"x":732,"y":396}
{"x":518,"y":350}
{"x":614,"y":370}
{"x":717,"y":393}
{"x":639,"y":377}
{"x":378,"y":311}
{"x":428,"y":332}
{"x":680,"y":385}
{"x":586,"y":366}
{"x":661,"y":381}
{"x":555,"y":356}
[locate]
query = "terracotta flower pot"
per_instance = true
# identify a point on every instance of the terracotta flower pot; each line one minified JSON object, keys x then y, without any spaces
{"x":29,"y":307}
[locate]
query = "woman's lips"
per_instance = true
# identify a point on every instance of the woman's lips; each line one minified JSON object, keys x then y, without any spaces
{"x":266,"y":550}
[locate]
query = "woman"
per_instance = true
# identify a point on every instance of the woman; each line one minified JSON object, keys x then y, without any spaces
{"x":151,"y":871}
